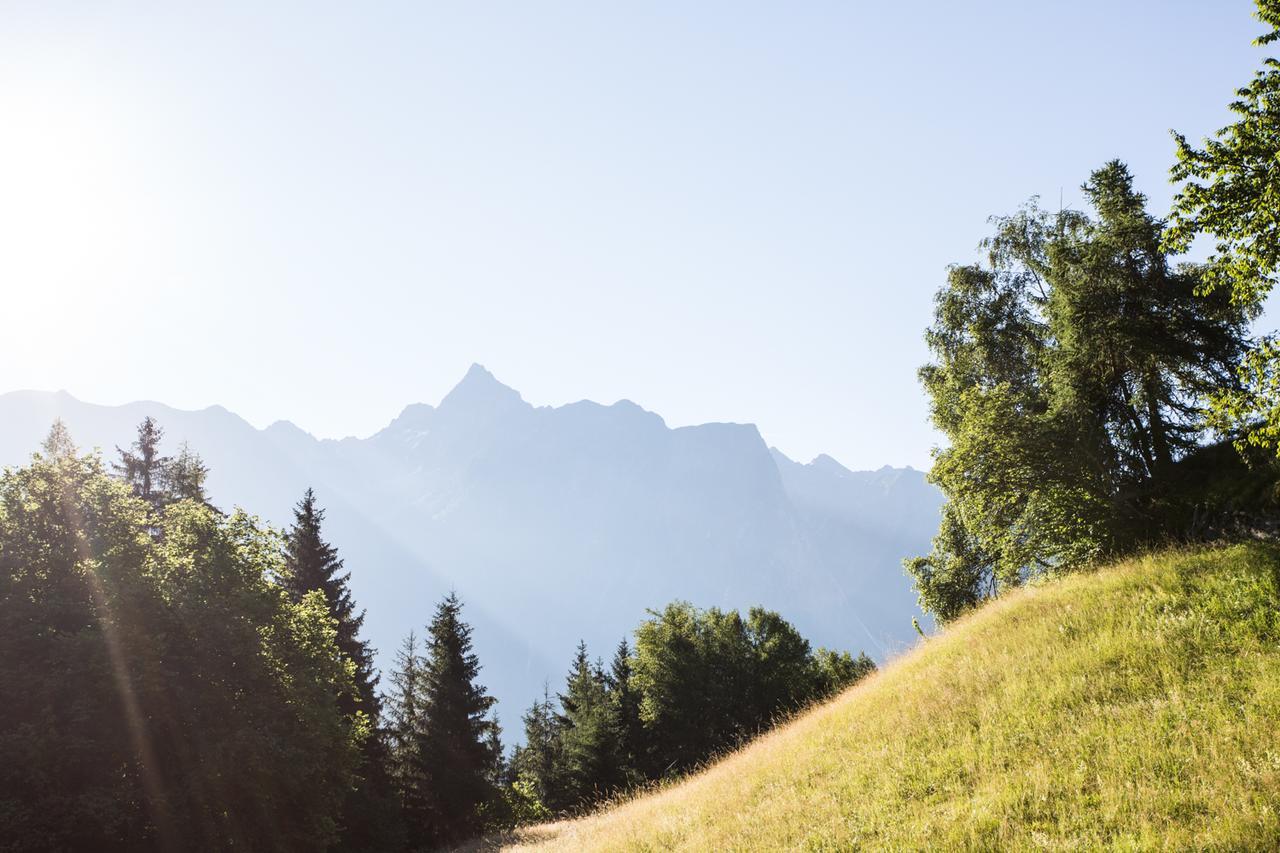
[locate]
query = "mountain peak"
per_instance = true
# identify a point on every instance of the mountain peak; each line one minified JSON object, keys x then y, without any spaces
{"x":477,"y":372}
{"x":479,"y":387}
{"x":823,"y":462}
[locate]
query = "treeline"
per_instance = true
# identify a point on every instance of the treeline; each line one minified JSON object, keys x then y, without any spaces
{"x":1090,"y":387}
{"x":176,"y":677}
{"x":699,"y":682}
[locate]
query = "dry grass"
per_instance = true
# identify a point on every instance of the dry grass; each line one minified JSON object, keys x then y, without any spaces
{"x":1134,"y":708}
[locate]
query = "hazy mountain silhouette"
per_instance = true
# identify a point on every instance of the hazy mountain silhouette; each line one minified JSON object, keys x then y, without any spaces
{"x":555,"y":524}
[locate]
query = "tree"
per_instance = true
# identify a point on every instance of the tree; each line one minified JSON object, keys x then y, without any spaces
{"x":454,"y":751}
{"x":707,"y":680}
{"x":1229,"y":192}
{"x":155,"y":686}
{"x":588,"y":751}
{"x":58,"y":444}
{"x":625,"y":725}
{"x":673,"y":676}
{"x":184,"y":476}
{"x":784,"y":678}
{"x":538,"y":763}
{"x":312,"y":565}
{"x":699,"y":682}
{"x":406,"y":723}
{"x":834,"y":671}
{"x":1070,"y":375}
{"x":143,"y":467}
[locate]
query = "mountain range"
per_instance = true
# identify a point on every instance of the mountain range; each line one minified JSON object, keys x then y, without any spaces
{"x":555,"y":524}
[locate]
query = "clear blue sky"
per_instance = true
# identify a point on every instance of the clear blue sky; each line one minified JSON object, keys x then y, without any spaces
{"x":723,"y":211}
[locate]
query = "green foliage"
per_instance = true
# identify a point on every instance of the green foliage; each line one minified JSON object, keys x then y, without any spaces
{"x":156,"y":685}
{"x":625,"y":726}
{"x":1231,"y":187}
{"x":404,"y":727}
{"x":588,"y":751}
{"x":370,"y":817}
{"x":524,"y":805}
{"x":709,"y":679}
{"x":1250,"y":412}
{"x":1133,"y":708}
{"x":58,"y":444}
{"x":834,"y":671}
{"x":158,"y":480}
{"x":312,"y":564}
{"x":1231,"y":192}
{"x":184,"y":476}
{"x":1070,"y":375}
{"x":446,"y":753}
{"x":142,"y":466}
{"x":698,"y":683}
{"x":539,"y":760}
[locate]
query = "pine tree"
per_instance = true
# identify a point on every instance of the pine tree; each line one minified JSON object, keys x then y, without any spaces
{"x":624,"y":718}
{"x":403,"y":710}
{"x":58,"y":444}
{"x":143,"y":467}
{"x":184,"y":476}
{"x":589,"y":758}
{"x":312,"y":564}
{"x":538,"y":762}
{"x":405,"y":724}
{"x":455,"y":748}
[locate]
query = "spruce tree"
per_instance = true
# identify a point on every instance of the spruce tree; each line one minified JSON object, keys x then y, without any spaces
{"x":455,"y":752}
{"x":143,"y":467}
{"x":404,"y":730}
{"x":538,"y":762}
{"x":624,"y":718}
{"x":589,"y":758}
{"x":58,"y":443}
{"x":312,"y":564}
{"x":184,"y":476}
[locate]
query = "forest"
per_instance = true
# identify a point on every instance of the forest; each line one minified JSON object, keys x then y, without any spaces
{"x":186,"y":678}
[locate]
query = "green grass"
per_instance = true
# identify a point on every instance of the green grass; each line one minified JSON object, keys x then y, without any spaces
{"x":1137,"y":707}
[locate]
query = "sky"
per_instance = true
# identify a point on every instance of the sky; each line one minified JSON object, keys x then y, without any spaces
{"x":723,"y":211}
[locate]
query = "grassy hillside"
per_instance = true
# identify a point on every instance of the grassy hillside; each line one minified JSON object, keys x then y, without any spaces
{"x":1135,"y":707}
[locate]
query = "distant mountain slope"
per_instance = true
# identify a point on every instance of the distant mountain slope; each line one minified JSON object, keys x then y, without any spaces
{"x":556,"y":524}
{"x":1131,"y":709}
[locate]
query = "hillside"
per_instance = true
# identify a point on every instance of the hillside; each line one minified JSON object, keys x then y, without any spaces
{"x":583,"y":514}
{"x":1135,"y":707}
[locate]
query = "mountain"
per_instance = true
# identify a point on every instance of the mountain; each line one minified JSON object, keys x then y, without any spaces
{"x":555,"y":524}
{"x":1133,"y":708}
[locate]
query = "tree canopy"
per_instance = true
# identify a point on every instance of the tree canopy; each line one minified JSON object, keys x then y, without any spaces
{"x":1070,"y":375}
{"x":155,"y":686}
{"x":1230,"y":193}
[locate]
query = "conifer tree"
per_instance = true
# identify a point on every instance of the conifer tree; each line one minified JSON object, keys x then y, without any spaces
{"x":58,"y":443}
{"x":538,"y":761}
{"x":142,"y":467}
{"x":184,"y":476}
{"x":455,"y":749}
{"x":624,"y":711}
{"x":589,"y":758}
{"x":312,"y":564}
{"x":405,"y":725}
{"x":403,"y":711}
